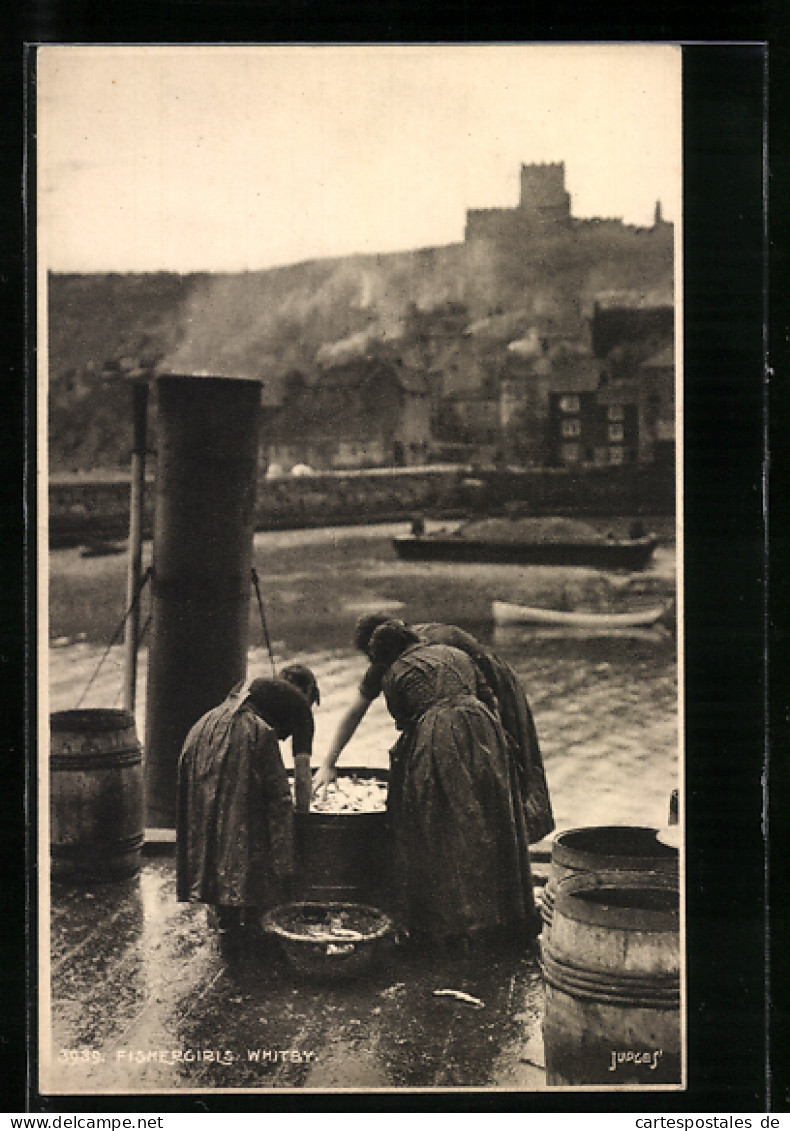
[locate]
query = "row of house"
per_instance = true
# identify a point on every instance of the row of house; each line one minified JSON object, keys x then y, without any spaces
{"x":615,"y":421}
{"x":370,"y":412}
{"x":519,"y":395}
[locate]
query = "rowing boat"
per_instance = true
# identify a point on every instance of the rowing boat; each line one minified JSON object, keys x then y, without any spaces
{"x":506,"y":612}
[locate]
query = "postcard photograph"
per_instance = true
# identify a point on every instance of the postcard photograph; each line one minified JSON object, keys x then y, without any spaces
{"x":360,"y":397}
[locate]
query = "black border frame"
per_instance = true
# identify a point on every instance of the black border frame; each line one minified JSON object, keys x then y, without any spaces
{"x":726,"y":555}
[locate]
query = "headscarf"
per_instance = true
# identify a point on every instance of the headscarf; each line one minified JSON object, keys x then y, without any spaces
{"x":303,"y":679}
{"x":389,"y":641}
{"x":367,"y":625}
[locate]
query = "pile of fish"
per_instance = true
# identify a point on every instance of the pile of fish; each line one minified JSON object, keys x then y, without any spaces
{"x":352,"y":795}
{"x":334,"y":929}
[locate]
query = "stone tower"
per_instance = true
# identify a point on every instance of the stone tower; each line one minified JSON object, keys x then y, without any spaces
{"x":544,"y":209}
{"x":544,"y":204}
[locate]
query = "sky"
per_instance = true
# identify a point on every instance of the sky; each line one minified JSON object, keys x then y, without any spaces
{"x":201,"y":158}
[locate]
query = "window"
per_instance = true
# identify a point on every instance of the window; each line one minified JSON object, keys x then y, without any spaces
{"x":569,"y":403}
{"x":571,"y":427}
{"x":569,"y":453}
{"x":615,"y":412}
{"x":616,"y":432}
{"x":616,"y":455}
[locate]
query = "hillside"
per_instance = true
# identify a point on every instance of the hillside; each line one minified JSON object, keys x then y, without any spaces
{"x":270,"y":322}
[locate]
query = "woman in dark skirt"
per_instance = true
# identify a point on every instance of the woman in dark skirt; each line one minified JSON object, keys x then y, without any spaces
{"x":499,"y":681}
{"x":235,"y":835}
{"x":460,"y":848}
{"x":516,"y":716}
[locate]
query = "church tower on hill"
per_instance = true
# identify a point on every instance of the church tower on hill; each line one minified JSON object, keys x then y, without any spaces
{"x":544,"y":208}
{"x":544,"y":203}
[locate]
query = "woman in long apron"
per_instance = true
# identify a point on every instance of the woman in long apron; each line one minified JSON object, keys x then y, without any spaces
{"x":460,"y":845}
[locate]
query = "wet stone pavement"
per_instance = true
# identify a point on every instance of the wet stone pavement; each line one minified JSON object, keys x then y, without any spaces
{"x":143,"y":1001}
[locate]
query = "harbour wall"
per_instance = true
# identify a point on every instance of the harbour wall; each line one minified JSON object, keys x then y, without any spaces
{"x":89,"y":509}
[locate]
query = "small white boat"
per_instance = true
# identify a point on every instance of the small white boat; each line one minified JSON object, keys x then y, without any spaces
{"x":507,"y":613}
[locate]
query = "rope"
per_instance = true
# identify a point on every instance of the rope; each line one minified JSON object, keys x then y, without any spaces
{"x":143,"y":631}
{"x":115,"y":635}
{"x":263,"y":618}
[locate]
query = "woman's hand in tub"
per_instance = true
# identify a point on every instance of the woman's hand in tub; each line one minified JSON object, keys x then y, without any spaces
{"x":322,"y":778}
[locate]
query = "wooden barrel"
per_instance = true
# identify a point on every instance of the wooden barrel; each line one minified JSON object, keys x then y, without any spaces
{"x":611,"y":968}
{"x":604,"y":848}
{"x":96,"y":794}
{"x":344,"y":856}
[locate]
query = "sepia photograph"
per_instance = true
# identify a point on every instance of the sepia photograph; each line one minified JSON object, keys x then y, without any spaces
{"x":361,"y":593}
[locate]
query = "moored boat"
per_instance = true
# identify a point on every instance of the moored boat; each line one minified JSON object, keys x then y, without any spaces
{"x":529,"y":542}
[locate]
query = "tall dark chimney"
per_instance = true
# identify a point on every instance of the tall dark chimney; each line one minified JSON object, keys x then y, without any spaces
{"x":207,"y":451}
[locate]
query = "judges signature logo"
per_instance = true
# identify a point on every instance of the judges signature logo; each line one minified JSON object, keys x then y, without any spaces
{"x":629,"y":1056}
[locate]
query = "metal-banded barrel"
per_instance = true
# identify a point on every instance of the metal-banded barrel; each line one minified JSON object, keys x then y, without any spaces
{"x":345,"y":856}
{"x":602,"y":848}
{"x":611,"y":967}
{"x":96,"y":794}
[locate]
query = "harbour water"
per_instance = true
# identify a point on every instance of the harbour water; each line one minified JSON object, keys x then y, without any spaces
{"x":605,"y":706}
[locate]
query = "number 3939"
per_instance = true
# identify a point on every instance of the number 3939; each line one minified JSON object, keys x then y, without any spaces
{"x":80,"y":1056}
